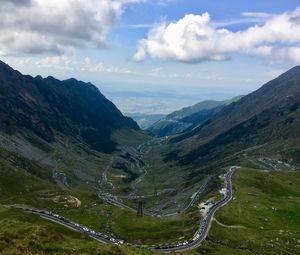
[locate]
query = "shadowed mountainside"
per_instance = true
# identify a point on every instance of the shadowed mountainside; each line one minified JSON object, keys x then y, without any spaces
{"x":50,"y":106}
{"x":267,"y":116}
{"x":188,"y":117}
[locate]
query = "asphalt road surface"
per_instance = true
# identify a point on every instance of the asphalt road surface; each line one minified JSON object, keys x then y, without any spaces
{"x":72,"y":225}
{"x":205,"y":223}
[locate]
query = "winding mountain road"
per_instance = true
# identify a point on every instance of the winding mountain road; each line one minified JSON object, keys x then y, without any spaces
{"x":205,"y":223}
{"x":188,"y":245}
{"x":72,"y":225}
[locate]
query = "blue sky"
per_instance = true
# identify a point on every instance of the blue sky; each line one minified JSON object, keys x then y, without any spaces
{"x":154,"y":56}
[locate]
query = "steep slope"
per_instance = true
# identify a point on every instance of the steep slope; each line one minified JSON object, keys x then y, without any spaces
{"x":188,"y":117}
{"x":267,"y":117}
{"x":67,"y":127}
{"x":49,"y":106}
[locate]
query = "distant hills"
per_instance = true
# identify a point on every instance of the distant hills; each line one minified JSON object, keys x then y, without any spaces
{"x":47,"y":108}
{"x":266,"y":121}
{"x":145,"y":121}
{"x":188,"y":117}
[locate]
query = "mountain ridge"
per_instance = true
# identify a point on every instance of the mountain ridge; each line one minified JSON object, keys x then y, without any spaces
{"x":269,"y":114}
{"x":188,"y":117}
{"x":48,"y":105}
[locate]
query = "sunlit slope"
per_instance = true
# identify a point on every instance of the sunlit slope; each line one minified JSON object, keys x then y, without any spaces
{"x":263,"y":217}
{"x":266,"y":116}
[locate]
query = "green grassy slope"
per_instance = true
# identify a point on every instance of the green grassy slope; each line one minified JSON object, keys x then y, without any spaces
{"x":263,"y":218}
{"x":26,"y":234}
{"x":20,"y":185}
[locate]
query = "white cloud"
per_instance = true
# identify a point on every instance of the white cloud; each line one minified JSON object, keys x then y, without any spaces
{"x":195,"y":38}
{"x":141,"y":52}
{"x":89,"y":66}
{"x":163,"y":2}
{"x":56,"y":26}
{"x":140,"y":26}
{"x":66,"y":62}
{"x":262,"y":15}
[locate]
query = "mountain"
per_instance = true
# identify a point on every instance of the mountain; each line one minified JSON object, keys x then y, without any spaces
{"x":66,"y":127}
{"x":188,"y":117}
{"x":145,"y":121}
{"x":266,"y":121}
{"x":65,"y":148}
{"x":48,"y":107}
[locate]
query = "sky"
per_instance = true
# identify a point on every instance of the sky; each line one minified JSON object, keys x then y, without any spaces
{"x":154,"y":56}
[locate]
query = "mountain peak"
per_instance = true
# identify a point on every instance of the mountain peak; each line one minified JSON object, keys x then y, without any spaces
{"x":72,"y":80}
{"x":51,"y":79}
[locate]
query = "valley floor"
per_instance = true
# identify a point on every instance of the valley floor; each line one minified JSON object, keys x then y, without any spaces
{"x":263,"y":218}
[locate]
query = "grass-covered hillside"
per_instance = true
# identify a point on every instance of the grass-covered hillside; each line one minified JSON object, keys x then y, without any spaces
{"x":23,"y":182}
{"x":263,"y":218}
{"x":24,"y":234}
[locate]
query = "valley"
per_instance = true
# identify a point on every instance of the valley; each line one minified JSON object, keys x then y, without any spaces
{"x":276,"y":222}
{"x":138,"y":127}
{"x":93,"y":169}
